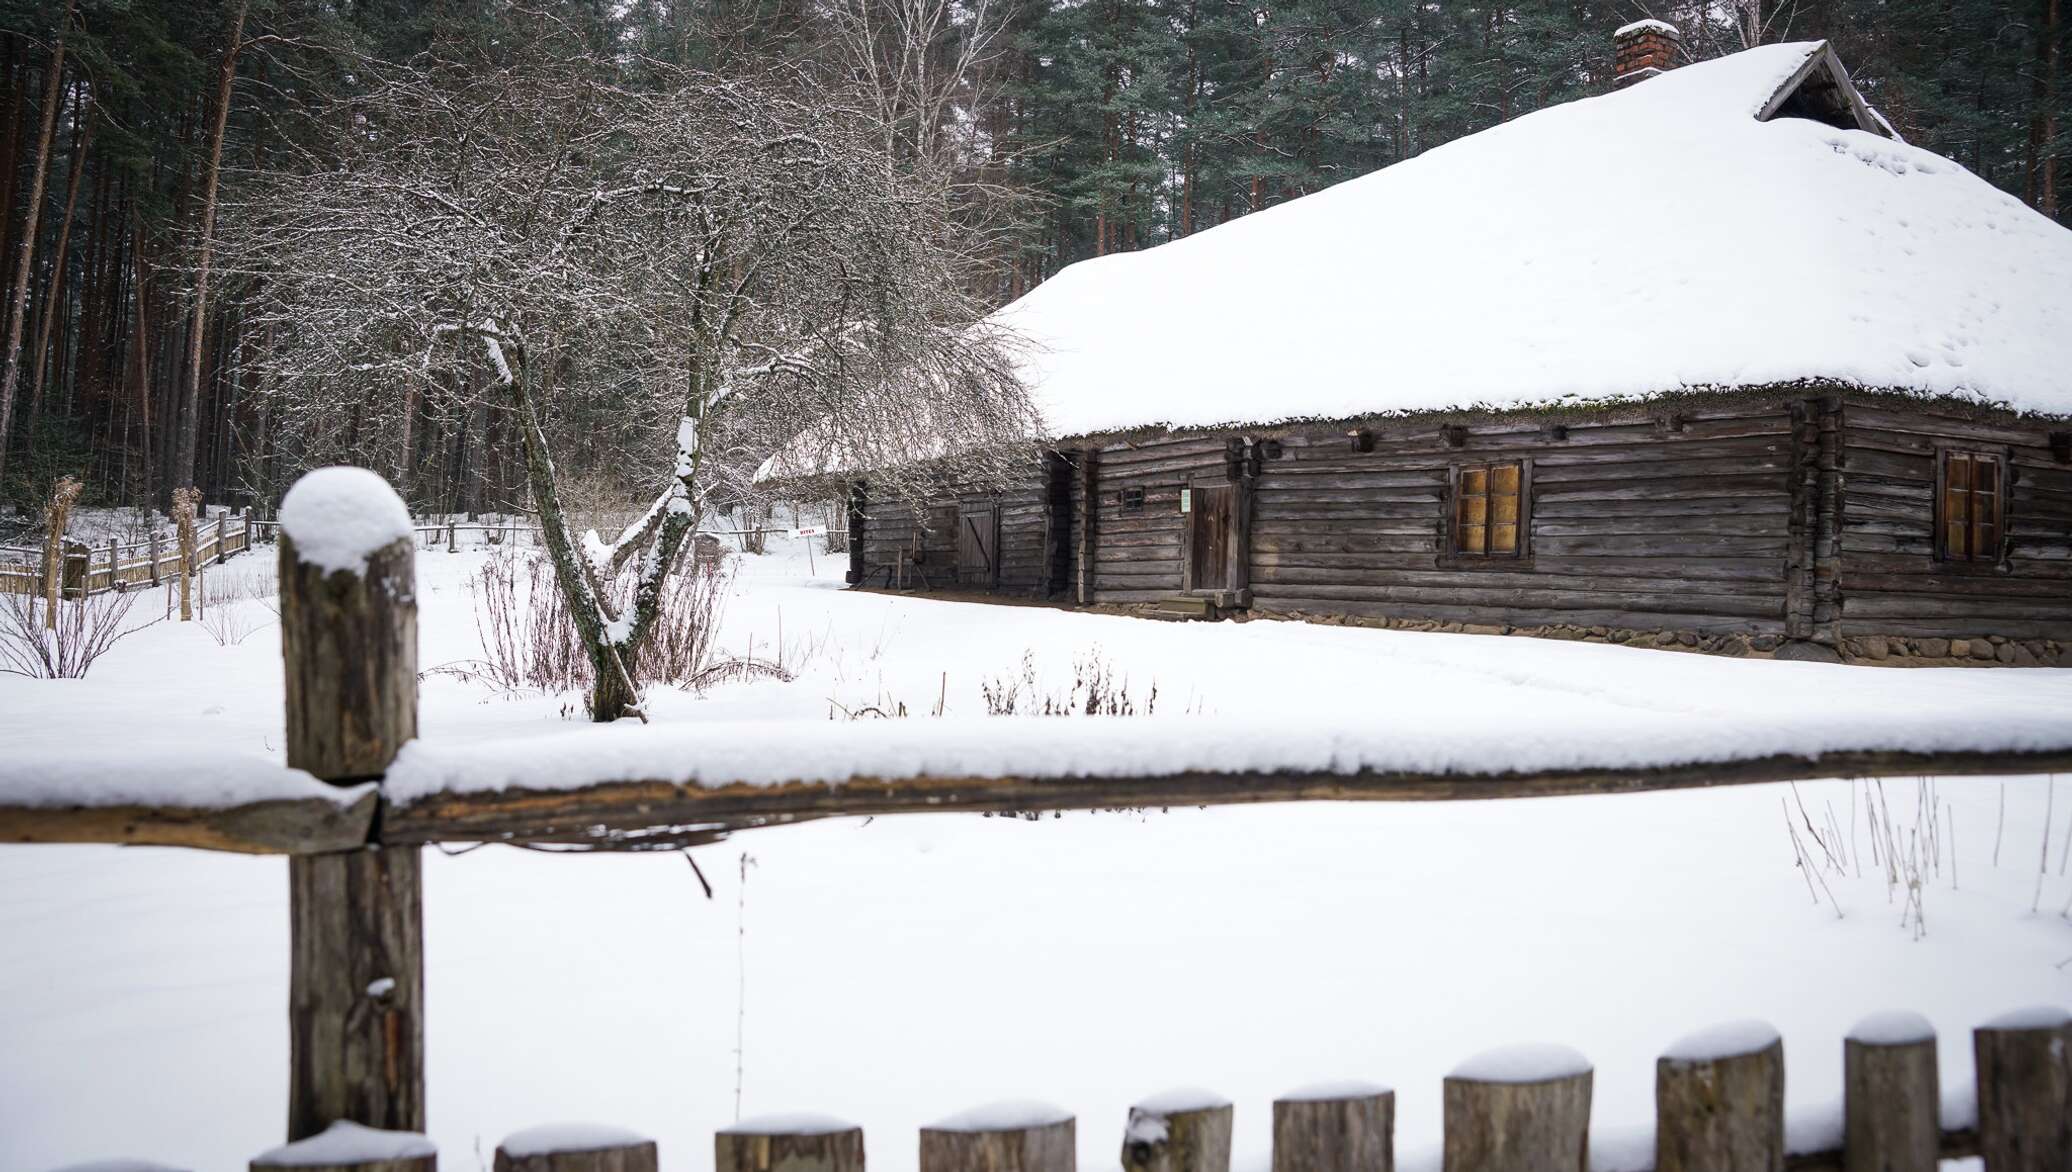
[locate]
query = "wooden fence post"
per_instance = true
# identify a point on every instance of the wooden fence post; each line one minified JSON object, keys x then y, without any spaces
{"x":794,"y":1143}
{"x":114,"y":563}
{"x":452,"y":535}
{"x":348,"y":1147}
{"x":2024,"y":1063}
{"x":1349,"y":1127}
{"x":1182,"y":1131}
{"x":1519,"y":1109}
{"x":155,"y":577}
{"x":1719,"y":1101}
{"x":1891,"y":1096}
{"x":78,"y":562}
{"x":1006,"y":1137}
{"x":349,"y":640}
{"x":576,"y":1148}
{"x":184,"y":500}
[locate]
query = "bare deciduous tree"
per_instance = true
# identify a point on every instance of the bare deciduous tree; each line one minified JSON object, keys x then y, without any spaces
{"x":714,"y":265}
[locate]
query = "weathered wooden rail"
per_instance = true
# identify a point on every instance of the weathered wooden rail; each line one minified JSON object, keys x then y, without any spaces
{"x":356,"y":986}
{"x":86,"y":569}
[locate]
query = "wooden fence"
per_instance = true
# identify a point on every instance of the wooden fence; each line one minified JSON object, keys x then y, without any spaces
{"x":1719,"y":1107}
{"x":87,"y":569}
{"x":356,"y":969}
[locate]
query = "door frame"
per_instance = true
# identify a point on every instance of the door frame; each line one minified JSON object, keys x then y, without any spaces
{"x":988,"y":539}
{"x":1235,"y":590}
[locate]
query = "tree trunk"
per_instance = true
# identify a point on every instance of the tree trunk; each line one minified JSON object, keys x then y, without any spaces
{"x":190,"y":393}
{"x":18,"y":294}
{"x":82,"y":137}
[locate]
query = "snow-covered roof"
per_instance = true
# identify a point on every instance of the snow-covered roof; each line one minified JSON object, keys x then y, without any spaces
{"x":1654,"y":239}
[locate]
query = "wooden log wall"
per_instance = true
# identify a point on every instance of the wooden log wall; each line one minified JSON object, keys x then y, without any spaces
{"x":1892,"y":583}
{"x":1137,"y":548}
{"x":1647,"y":521}
{"x":892,"y":527}
{"x":1737,"y":524}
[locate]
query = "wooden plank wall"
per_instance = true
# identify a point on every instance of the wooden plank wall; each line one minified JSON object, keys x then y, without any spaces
{"x":893,"y":526}
{"x":1137,"y":551}
{"x":1892,"y":582}
{"x":1640,"y":523}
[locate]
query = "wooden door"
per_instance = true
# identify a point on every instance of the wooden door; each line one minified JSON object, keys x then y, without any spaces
{"x":1211,"y":522}
{"x":978,"y":546}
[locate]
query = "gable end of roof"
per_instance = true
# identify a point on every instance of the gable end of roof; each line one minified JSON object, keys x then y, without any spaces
{"x":1820,"y":89}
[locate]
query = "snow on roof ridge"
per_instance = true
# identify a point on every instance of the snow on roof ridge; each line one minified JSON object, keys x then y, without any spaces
{"x":1647,"y":23}
{"x":1422,"y":287}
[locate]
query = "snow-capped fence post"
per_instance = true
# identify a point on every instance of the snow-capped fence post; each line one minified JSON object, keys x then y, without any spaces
{"x":576,"y":1148}
{"x":794,"y":1143}
{"x":1518,"y":1109}
{"x":1026,"y":1137}
{"x":349,"y":1147}
{"x":2024,"y":1064}
{"x":1186,"y":1131}
{"x":1335,"y":1129}
{"x":1891,"y":1096}
{"x":1719,"y":1101}
{"x":349,"y":641}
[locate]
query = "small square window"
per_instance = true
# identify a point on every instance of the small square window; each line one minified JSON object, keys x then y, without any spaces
{"x":1971,"y":509}
{"x":1489,"y":512}
{"x":1131,"y":500}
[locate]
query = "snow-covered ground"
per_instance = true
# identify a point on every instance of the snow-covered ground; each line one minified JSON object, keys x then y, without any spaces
{"x":898,"y":970}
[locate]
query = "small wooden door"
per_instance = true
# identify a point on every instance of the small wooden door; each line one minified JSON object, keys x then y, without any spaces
{"x":978,"y":546}
{"x":1211,"y":523}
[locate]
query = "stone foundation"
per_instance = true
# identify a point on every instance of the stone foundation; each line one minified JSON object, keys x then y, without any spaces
{"x":1886,"y":650}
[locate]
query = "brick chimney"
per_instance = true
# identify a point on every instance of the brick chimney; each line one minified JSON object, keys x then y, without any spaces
{"x":1643,"y":49}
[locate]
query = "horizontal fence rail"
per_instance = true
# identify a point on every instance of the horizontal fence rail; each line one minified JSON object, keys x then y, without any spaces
{"x":87,"y":569}
{"x":356,"y":971}
{"x":1719,"y":1107}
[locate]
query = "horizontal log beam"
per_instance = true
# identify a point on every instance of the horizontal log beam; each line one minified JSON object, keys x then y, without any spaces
{"x":285,"y":826}
{"x":638,"y":815}
{"x":647,"y":815}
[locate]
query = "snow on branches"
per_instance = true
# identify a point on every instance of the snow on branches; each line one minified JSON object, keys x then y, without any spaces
{"x":697,"y":268}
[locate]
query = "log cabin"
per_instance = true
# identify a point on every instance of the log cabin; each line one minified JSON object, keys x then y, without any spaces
{"x":1712,"y":361}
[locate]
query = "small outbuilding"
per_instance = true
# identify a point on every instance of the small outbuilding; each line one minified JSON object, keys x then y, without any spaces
{"x":1714,"y":360}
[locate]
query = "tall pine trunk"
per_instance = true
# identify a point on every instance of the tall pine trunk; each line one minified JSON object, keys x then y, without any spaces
{"x":190,"y":390}
{"x":53,"y":304}
{"x":18,"y":293}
